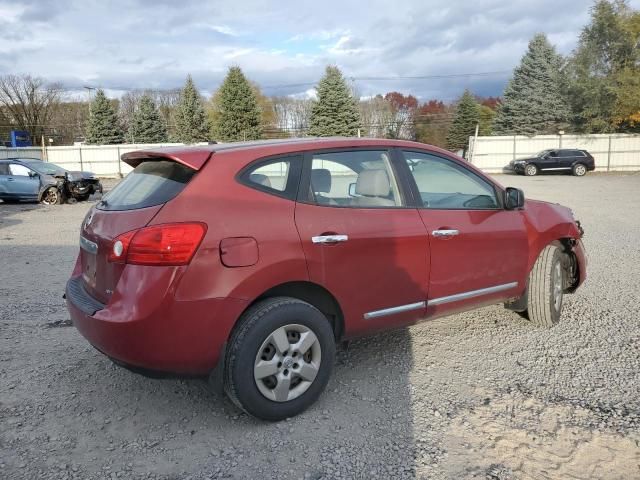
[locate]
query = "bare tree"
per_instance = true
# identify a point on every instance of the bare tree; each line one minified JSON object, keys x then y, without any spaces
{"x":165,"y":100}
{"x":377,"y":115}
{"x":292,"y":114}
{"x":28,"y":102}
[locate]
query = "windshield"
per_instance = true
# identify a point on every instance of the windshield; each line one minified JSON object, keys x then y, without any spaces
{"x":44,"y":167}
{"x":542,"y":153}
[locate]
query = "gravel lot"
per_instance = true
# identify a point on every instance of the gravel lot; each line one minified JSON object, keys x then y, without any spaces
{"x":477,"y":395}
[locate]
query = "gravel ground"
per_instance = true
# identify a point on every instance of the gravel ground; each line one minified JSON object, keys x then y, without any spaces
{"x":477,"y":395}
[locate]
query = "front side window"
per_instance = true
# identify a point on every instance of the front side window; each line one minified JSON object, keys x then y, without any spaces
{"x":356,"y":179}
{"x":19,"y":170}
{"x":445,"y":185}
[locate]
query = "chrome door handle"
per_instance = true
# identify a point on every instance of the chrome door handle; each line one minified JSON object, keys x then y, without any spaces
{"x":330,"y":238}
{"x":445,"y":233}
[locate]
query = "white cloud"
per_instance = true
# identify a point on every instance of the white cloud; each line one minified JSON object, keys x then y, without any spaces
{"x":281,"y":45}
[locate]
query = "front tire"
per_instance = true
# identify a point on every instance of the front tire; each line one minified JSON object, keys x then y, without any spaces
{"x":279,"y":359}
{"x":546,"y":288}
{"x":579,"y":170}
{"x":530,"y":170}
{"x":51,"y":196}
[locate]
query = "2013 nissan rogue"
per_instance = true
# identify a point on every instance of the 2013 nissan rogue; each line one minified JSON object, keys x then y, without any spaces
{"x":251,"y":260}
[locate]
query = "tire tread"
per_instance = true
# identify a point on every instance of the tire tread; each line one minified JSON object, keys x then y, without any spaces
{"x":540,"y":302}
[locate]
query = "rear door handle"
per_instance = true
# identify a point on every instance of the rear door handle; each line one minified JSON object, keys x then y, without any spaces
{"x":445,"y":233}
{"x":330,"y":238}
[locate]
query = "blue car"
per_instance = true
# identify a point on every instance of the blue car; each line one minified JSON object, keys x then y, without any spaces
{"x":26,"y":179}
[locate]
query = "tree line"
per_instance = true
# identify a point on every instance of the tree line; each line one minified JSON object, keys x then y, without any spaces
{"x":595,"y":89}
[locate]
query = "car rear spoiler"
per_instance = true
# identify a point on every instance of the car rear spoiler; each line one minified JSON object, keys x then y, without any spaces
{"x":192,"y":157}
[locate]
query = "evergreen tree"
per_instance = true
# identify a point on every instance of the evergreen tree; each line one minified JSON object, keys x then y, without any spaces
{"x":147,"y":125}
{"x":192,"y":124}
{"x":103,"y":127}
{"x":534,"y":102}
{"x":604,"y":69}
{"x":335,"y":113}
{"x":464,"y":123}
{"x":487,"y":117}
{"x":237,"y":112}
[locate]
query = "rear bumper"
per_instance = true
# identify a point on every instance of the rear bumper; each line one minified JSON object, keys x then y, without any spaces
{"x":169,"y":336}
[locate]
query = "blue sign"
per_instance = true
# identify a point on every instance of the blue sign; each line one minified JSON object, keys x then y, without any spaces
{"x":20,"y":138}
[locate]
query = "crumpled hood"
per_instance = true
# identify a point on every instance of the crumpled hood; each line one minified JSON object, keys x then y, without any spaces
{"x":75,"y":175}
{"x":545,"y":216}
{"x":541,"y":206}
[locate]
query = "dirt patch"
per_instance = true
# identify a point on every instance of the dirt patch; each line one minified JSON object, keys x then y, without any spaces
{"x":531,"y":440}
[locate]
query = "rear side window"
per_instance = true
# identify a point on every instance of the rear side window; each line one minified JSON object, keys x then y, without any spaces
{"x":277,"y":176}
{"x":272,"y":175}
{"x":153,"y":182}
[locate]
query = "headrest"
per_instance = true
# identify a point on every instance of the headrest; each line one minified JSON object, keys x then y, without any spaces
{"x":373,"y":183}
{"x":321,"y":180}
{"x":260,"y":179}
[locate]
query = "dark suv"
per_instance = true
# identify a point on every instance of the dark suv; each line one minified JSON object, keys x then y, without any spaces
{"x":578,"y":162}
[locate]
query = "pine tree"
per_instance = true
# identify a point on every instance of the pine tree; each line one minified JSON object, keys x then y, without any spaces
{"x":192,"y":124}
{"x":103,"y":127}
{"x":533,"y":101}
{"x":237,"y":112}
{"x":335,"y":113}
{"x":147,"y":125}
{"x":466,"y":117}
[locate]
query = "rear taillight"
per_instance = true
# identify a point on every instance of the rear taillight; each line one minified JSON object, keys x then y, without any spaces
{"x":167,"y":244}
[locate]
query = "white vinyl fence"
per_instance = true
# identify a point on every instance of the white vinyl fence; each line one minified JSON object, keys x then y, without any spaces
{"x":103,"y":160}
{"x":611,"y":152}
{"x":491,"y":154}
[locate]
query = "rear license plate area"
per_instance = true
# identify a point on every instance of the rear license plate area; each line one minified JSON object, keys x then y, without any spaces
{"x":88,"y":251}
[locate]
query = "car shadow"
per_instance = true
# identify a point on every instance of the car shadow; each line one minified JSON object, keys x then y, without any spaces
{"x":10,"y":210}
{"x":360,"y":427}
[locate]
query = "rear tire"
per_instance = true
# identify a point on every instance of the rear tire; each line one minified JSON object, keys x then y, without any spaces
{"x":279,"y":358}
{"x":530,"y":170}
{"x":579,"y":170}
{"x":545,"y":288}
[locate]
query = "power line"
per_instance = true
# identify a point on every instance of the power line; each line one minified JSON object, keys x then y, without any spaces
{"x":306,"y":84}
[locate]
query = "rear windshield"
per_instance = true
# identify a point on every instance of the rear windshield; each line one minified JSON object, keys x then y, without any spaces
{"x":151,"y":183}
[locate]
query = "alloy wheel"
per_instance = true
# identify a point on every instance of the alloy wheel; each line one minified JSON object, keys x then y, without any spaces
{"x":51,"y":196}
{"x":287,"y":362}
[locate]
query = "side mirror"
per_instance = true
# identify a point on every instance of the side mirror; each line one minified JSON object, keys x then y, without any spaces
{"x":513,"y":198}
{"x":33,"y":174}
{"x":352,"y":189}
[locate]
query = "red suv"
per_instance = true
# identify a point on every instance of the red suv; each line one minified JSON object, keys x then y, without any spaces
{"x":249,"y":261}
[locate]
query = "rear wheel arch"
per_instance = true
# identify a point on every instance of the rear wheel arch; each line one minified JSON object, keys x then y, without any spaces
{"x":312,"y":293}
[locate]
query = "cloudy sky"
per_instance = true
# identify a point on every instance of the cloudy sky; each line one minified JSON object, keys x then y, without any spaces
{"x":282,"y":45}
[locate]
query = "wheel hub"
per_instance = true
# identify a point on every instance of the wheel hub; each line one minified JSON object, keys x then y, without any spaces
{"x":287,"y":362}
